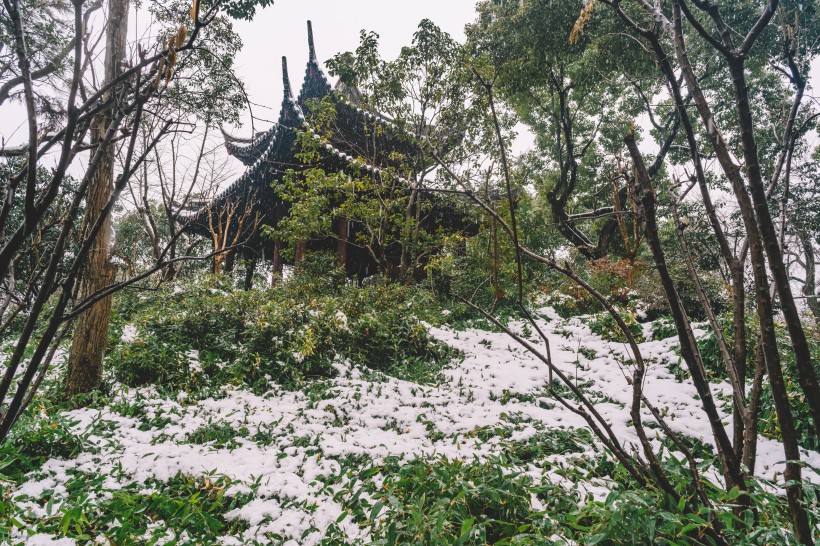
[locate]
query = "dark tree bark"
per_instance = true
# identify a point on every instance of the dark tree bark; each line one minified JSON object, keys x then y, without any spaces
{"x":341,"y":244}
{"x":689,"y":347}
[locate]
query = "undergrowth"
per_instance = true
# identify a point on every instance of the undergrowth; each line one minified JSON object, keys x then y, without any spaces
{"x":206,"y":333}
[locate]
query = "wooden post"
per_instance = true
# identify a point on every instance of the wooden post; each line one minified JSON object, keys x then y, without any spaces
{"x":277,"y":263}
{"x":341,"y":244}
{"x":300,"y":252}
{"x":230,"y":260}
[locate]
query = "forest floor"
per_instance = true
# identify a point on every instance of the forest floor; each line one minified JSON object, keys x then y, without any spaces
{"x":358,"y":457}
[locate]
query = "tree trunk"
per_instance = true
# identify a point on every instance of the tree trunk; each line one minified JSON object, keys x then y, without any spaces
{"x":91,"y":331}
{"x":688,"y":344}
{"x":805,"y":371}
{"x":407,"y":250}
{"x":7,"y":288}
{"x":810,"y":285}
{"x":300,"y":252}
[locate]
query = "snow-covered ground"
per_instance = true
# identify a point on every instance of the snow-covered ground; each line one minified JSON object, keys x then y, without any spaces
{"x":306,"y":434}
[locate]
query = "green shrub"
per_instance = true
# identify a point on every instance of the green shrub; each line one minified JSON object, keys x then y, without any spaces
{"x":287,"y":335}
{"x":34,"y":440}
{"x":549,"y":442}
{"x":635,"y":515}
{"x":663,"y":328}
{"x":605,"y":326}
{"x":447,"y":502}
{"x":149,"y":361}
{"x":192,"y":507}
{"x":769,"y":425}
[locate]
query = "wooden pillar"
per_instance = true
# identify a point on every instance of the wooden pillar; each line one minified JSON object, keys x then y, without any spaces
{"x":300,"y":252}
{"x":393,"y":271}
{"x":341,"y":244}
{"x":249,"y":271}
{"x":276,"y":272}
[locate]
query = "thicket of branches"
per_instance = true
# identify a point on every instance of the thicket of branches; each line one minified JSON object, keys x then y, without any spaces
{"x":717,"y":92}
{"x":83,"y":117}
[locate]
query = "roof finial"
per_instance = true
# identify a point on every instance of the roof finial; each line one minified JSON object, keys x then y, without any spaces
{"x":311,"y":47}
{"x":286,"y":79}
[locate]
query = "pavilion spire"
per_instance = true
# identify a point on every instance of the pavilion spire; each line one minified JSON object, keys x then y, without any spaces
{"x":311,"y":47}
{"x":286,"y":79}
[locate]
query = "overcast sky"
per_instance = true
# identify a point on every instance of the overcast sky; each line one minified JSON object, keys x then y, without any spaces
{"x":282,"y":30}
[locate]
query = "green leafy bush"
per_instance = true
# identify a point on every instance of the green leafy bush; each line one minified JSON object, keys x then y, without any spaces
{"x":550,"y":441}
{"x":605,"y":326}
{"x":635,"y":515}
{"x":37,"y":438}
{"x":769,"y":425}
{"x":150,"y":360}
{"x":207,"y":332}
{"x":663,"y":328}
{"x":193,"y":508}
{"x":447,"y":502}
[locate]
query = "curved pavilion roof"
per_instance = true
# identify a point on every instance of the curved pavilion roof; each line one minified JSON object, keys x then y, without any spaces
{"x":359,"y":141}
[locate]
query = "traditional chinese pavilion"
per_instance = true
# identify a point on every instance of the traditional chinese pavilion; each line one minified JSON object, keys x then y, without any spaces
{"x":360,"y":141}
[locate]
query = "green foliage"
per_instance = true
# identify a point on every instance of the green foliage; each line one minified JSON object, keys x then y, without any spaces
{"x":557,"y":441}
{"x":49,"y":28}
{"x":447,"y":502}
{"x":205,"y":85}
{"x":219,"y":435}
{"x":149,"y":361}
{"x":663,"y":328}
{"x":37,"y":438}
{"x":648,"y":516}
{"x":768,"y":424}
{"x":38,"y":248}
{"x":141,"y":513}
{"x":605,"y":326}
{"x":241,"y":9}
{"x":206,"y":333}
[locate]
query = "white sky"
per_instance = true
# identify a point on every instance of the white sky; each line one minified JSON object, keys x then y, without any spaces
{"x":282,"y":30}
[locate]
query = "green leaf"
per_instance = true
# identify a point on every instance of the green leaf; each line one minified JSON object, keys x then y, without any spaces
{"x":374,"y":512}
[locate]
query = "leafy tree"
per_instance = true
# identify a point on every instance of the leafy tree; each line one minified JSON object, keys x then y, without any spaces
{"x":16,"y":293}
{"x":418,"y":100}
{"x":576,"y":97}
{"x":713,"y":78}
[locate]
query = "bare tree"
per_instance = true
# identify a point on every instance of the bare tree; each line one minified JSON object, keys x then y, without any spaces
{"x":231,"y":223}
{"x":125,"y":100}
{"x":180,"y":175}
